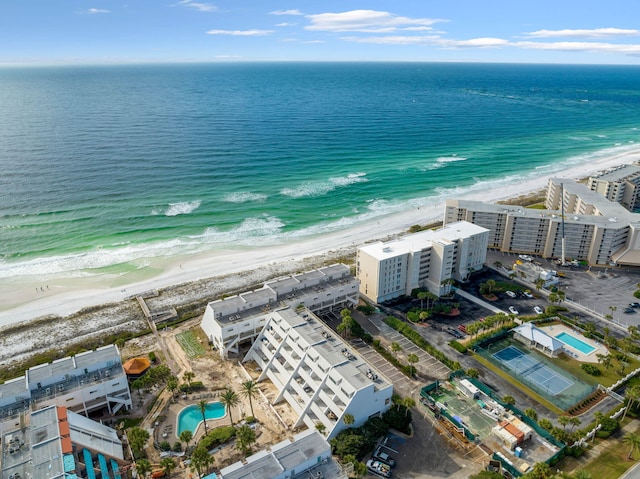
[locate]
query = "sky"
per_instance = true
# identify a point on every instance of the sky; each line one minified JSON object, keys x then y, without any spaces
{"x":44,"y":32}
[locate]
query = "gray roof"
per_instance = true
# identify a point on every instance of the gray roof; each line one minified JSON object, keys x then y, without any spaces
{"x":284,"y":456}
{"x":531,"y":332}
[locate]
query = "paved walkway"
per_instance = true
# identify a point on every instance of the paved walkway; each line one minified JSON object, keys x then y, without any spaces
{"x":475,"y":299}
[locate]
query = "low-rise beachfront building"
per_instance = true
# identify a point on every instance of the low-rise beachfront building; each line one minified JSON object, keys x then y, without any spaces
{"x":84,"y":383}
{"x":533,"y":337}
{"x":429,"y":259}
{"x":621,"y":185}
{"x":306,"y":455}
{"x":56,"y":443}
{"x":237,"y":320}
{"x":316,"y":372}
{"x":596,"y":230}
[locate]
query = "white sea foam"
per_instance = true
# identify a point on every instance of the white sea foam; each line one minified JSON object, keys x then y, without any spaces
{"x":244,"y":197}
{"x":442,"y":161}
{"x":319,"y":188}
{"x":265,"y":228}
{"x":183,"y":208}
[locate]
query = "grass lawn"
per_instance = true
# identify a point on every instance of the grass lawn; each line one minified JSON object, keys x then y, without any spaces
{"x":190,"y":344}
{"x":612,"y":462}
{"x":607,"y":378}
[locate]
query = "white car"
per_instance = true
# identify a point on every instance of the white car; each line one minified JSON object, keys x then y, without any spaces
{"x":511,"y":294}
{"x":527,"y":295}
{"x":513,"y":310}
{"x":538,"y":310}
{"x":525,"y":257}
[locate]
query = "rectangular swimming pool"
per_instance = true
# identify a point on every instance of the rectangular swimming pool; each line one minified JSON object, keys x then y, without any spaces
{"x":575,"y":343}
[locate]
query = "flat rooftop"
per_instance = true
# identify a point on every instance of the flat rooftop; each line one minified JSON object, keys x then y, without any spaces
{"x":424,"y":239}
{"x":283,"y":457}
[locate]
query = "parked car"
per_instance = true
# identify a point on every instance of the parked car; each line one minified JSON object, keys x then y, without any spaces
{"x":527,"y":294}
{"x":513,"y":310}
{"x":634,"y":305}
{"x":462,"y":328}
{"x":628,"y":310}
{"x":538,"y":310}
{"x":511,"y":294}
{"x":525,"y":257}
{"x":378,"y":468}
{"x":380,"y":455}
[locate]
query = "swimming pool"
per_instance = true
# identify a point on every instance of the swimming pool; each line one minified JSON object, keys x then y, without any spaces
{"x":575,"y":343}
{"x":190,"y":417}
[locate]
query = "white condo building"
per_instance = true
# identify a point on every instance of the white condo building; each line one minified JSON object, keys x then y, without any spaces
{"x":316,"y":372}
{"x":237,"y":320}
{"x":83,"y":383}
{"x":621,"y":184}
{"x":422,"y":260}
{"x":53,"y":442}
{"x":596,"y":230}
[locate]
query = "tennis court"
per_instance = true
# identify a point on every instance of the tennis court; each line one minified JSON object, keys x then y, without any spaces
{"x":535,"y":371}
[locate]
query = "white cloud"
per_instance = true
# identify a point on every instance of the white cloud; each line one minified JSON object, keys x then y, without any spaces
{"x":599,"y":47}
{"x":93,"y":11}
{"x":201,"y":7}
{"x":314,"y":41}
{"x":286,"y":12}
{"x":594,"y":33}
{"x":433,"y":40}
{"x":285,"y":24}
{"x":241,"y":33}
{"x":368,"y":21}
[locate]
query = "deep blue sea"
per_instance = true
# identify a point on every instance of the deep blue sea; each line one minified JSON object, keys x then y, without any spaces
{"x":101,"y":166}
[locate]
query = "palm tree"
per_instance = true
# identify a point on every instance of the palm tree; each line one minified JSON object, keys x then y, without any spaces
{"x":245,"y":437}
{"x":491,"y":284}
{"x":539,"y":283}
{"x":422,"y":295}
{"x":168,"y":465}
{"x":408,"y":403}
{"x":509,"y":400}
{"x":186,"y":436}
{"x":582,"y":474}
{"x":230,"y":399}
{"x":632,"y":439}
{"x":348,"y":419}
{"x":201,"y":460}
{"x":249,"y":390}
{"x":396,"y":348}
{"x":532,"y":413}
{"x":412,"y":359}
{"x":563,"y":421}
{"x":320,"y":427}
{"x":188,"y":376}
{"x":143,"y":467}
{"x":633,"y":395}
{"x":202,"y":406}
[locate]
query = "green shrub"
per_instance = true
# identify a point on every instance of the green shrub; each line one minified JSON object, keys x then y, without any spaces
{"x":461,"y":348}
{"x":217,"y":437}
{"x":636,"y":293}
{"x":195,"y":386}
{"x":164,"y":446}
{"x":177,"y":446}
{"x":398,"y":418}
{"x":591,"y":369}
{"x":609,"y":426}
{"x":152,"y":357}
{"x":250,"y":419}
{"x":366,"y":309}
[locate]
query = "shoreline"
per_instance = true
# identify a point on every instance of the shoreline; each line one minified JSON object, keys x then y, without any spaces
{"x":68,"y":296}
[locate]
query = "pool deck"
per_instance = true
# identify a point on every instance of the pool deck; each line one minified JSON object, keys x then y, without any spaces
{"x":167,"y":429}
{"x":555,"y":329}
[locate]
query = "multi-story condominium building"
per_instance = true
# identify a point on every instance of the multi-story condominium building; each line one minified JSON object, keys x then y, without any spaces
{"x":83,"y":383}
{"x":237,"y":320}
{"x":596,"y":230}
{"x":428,"y":259}
{"x":621,"y":185}
{"x":319,"y":375}
{"x":308,"y":455}
{"x":56,"y":443}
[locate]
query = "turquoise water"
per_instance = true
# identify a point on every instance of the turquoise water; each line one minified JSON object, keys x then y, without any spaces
{"x":575,"y":343}
{"x":190,"y":417}
{"x":103,"y":167}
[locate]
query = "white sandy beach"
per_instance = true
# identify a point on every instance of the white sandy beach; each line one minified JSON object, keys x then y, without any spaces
{"x":25,"y":301}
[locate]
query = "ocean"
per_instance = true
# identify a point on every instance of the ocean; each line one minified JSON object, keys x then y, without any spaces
{"x":105,"y":168}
